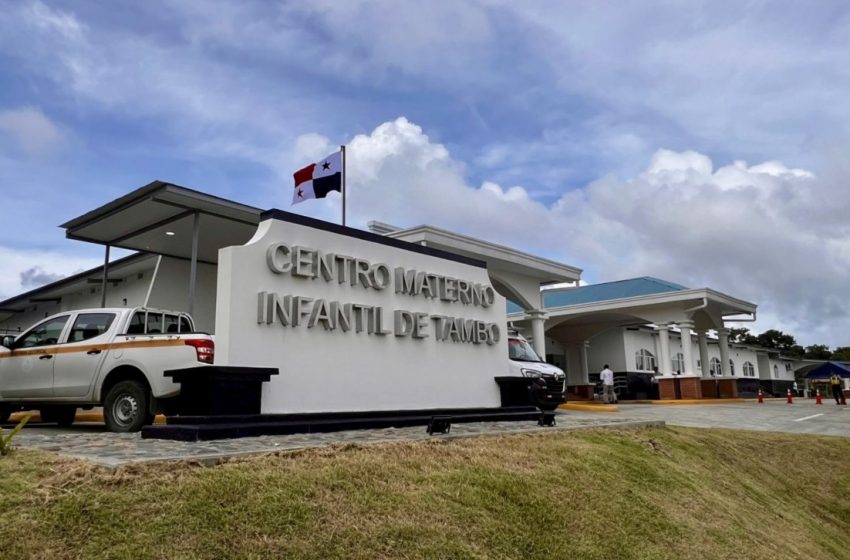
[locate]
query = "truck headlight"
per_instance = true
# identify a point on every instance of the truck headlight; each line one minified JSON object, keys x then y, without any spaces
{"x":531,"y":373}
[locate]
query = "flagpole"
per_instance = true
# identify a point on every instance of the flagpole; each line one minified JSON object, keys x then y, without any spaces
{"x":342,"y":149}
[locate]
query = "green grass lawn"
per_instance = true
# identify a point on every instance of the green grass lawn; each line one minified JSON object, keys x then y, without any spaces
{"x":655,"y":493}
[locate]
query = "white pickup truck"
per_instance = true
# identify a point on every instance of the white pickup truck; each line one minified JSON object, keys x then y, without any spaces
{"x":109,"y":357}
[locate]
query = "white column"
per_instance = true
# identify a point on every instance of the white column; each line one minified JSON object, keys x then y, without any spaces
{"x":664,"y":349}
{"x":703,"y":353}
{"x":585,"y":368}
{"x":538,"y":342}
{"x":687,"y":347}
{"x":723,"y":342}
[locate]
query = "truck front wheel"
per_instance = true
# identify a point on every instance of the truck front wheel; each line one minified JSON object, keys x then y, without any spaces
{"x":125,"y":408}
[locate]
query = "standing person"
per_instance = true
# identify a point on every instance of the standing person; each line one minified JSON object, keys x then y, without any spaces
{"x":653,"y":384}
{"x":607,"y":377}
{"x":835,"y":381}
{"x":796,"y":389}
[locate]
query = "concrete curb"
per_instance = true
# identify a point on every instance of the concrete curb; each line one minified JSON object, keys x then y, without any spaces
{"x":95,"y":416}
{"x":587,"y":407}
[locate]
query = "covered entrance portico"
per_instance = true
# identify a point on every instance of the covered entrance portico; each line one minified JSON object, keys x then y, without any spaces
{"x":577,"y":316}
{"x":516,"y":275}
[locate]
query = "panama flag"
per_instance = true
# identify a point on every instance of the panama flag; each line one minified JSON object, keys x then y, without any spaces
{"x":318,"y":179}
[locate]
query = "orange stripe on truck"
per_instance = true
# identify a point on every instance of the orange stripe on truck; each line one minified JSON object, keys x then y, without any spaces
{"x":64,"y":349}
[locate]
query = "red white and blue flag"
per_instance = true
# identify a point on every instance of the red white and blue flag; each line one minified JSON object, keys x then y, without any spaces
{"x":318,"y":179}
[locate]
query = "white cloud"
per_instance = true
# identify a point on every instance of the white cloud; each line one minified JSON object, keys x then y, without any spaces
{"x":52,"y":21}
{"x":562,"y":91}
{"x":27,"y":269}
{"x":742,"y":230}
{"x":31,"y":128}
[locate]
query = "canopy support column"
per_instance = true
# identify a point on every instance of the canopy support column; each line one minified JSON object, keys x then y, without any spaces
{"x":664,"y":349}
{"x":585,"y":367}
{"x":538,"y":342}
{"x":687,"y":347}
{"x":105,"y":277}
{"x":723,"y":342}
{"x":193,"y":267}
{"x":703,"y":353}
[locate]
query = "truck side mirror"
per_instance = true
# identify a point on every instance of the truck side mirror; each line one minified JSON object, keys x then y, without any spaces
{"x":7,"y":341}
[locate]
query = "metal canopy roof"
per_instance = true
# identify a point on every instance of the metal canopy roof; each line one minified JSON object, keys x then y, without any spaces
{"x":514,"y":274}
{"x":580,"y":313}
{"x":632,"y":287}
{"x":496,"y":256}
{"x":159,"y":218}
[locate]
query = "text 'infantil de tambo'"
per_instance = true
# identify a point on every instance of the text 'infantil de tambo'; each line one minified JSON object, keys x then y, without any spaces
{"x":305,"y":262}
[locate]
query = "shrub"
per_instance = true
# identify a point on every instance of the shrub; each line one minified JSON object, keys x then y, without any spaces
{"x":6,"y":440}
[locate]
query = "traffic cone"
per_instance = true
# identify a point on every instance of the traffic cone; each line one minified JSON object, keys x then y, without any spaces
{"x":761,"y":397}
{"x":817,"y":397}
{"x":790,"y":398}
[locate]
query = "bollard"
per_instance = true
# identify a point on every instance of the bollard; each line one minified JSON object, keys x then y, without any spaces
{"x":790,"y":398}
{"x":761,"y":397}
{"x":817,"y":397}
{"x":843,"y":400}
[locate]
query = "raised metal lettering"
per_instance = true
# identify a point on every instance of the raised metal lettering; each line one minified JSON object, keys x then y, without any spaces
{"x":303,"y":259}
{"x":321,"y":314}
{"x":278,"y":258}
{"x":341,"y":314}
{"x":404,"y":280}
{"x":420,"y":325}
{"x":402,"y":322}
{"x":379,"y":276}
{"x":361,"y":273}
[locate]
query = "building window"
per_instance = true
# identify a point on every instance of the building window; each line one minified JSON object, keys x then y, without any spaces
{"x":788,"y":366}
{"x":749,"y":370}
{"x":775,"y":370}
{"x":714,"y":367}
{"x":731,"y":367}
{"x":678,"y":362}
{"x":644,"y":360}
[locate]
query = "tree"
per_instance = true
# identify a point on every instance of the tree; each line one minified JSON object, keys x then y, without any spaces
{"x":776,"y":340}
{"x":842,"y":354}
{"x":773,"y":339}
{"x":741,"y":335}
{"x":818,"y":352}
{"x":795,"y":351}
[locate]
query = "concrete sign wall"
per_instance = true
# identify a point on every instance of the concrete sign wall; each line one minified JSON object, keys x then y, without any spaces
{"x":357,"y":321}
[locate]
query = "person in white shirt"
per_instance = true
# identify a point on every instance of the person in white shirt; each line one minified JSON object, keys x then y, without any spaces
{"x":607,"y":378}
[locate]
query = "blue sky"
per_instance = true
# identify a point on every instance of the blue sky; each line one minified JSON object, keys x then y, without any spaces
{"x":626,"y":139}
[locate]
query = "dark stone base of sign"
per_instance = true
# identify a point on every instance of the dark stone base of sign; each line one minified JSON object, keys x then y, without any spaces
{"x":209,"y":427}
{"x":219,"y":390}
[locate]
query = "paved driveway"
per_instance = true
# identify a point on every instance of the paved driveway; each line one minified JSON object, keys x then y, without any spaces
{"x":802,"y":417}
{"x":92,"y":442}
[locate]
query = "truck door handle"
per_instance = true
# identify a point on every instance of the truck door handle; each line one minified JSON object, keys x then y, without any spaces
{"x":45,"y":356}
{"x":93,"y":352}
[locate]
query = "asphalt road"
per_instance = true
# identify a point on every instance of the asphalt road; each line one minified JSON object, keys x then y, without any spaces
{"x":802,"y":417}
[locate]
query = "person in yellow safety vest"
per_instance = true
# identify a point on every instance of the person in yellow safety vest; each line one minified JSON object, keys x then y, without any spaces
{"x":835,"y":382}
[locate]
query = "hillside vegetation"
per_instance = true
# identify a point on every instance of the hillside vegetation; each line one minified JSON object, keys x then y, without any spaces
{"x":654,"y":493}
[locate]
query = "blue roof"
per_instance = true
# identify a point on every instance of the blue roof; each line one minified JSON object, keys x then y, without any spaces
{"x":825,"y":371}
{"x":606,"y":291}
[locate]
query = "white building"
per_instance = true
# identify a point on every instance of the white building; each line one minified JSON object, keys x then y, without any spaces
{"x":634,"y":325}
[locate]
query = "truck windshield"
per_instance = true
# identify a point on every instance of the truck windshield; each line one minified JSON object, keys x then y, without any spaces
{"x":522,"y":351}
